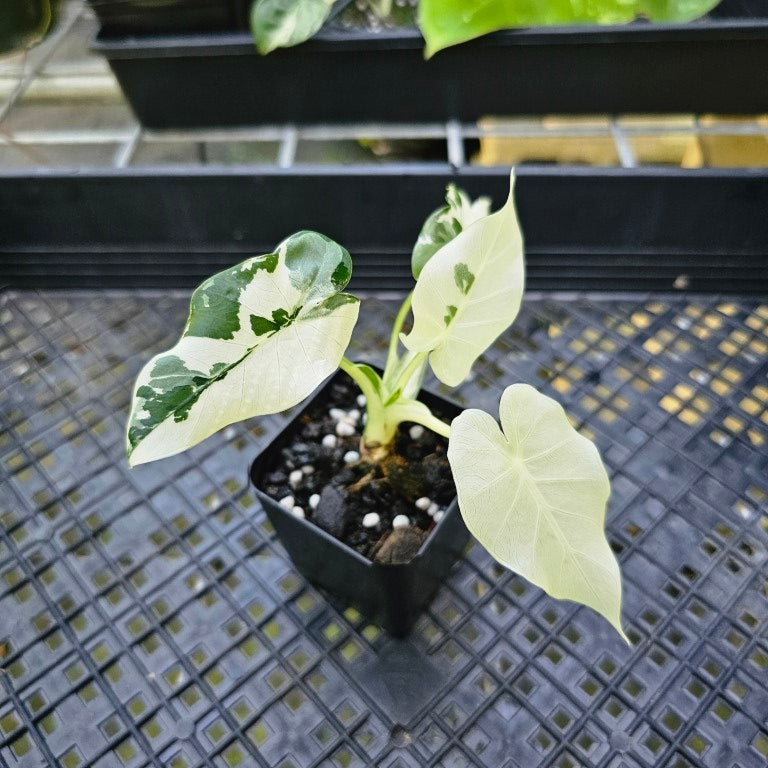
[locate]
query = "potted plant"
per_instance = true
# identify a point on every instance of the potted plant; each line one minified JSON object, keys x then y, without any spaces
{"x":359,"y":68}
{"x":443,"y":23}
{"x":366,"y":509}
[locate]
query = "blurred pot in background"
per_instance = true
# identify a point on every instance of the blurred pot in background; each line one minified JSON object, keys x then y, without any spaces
{"x":24,"y":23}
{"x":160,"y":17}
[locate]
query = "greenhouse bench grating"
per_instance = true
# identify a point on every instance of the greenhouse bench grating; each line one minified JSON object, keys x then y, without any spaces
{"x":150,"y":617}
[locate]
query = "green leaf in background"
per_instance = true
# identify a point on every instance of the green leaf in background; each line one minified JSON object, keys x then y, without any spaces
{"x":448,"y":22}
{"x":534,"y":493}
{"x":443,"y":224}
{"x":468,"y":293}
{"x":260,"y":337}
{"x":283,"y":23}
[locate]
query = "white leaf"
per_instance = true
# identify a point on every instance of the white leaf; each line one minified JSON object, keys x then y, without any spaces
{"x":468,"y":293}
{"x":261,"y":337}
{"x":534,"y":495}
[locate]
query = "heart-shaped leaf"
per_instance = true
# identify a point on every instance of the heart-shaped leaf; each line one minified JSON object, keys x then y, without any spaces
{"x":260,"y":337}
{"x":468,"y":293}
{"x":283,"y":23}
{"x":443,"y":224}
{"x":448,"y":22}
{"x":534,"y":493}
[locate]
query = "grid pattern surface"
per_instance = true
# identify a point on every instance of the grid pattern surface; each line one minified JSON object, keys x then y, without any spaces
{"x":151,"y":618}
{"x":60,"y":106}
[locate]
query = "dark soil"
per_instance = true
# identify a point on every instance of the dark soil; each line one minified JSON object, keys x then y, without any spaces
{"x":416,"y":468}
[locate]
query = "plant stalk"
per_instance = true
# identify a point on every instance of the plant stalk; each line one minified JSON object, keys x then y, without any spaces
{"x":438,"y":426}
{"x":394,"y":339}
{"x":359,"y":378}
{"x":411,"y":363}
{"x":376,"y":433}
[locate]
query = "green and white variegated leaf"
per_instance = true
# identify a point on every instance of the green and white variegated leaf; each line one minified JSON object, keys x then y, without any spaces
{"x":283,"y":23}
{"x":443,"y":224}
{"x":534,"y":493}
{"x":260,"y":337}
{"x":448,"y":22}
{"x":468,"y":293}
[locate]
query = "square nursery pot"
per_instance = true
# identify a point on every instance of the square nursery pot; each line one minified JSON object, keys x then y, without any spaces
{"x":391,"y":595}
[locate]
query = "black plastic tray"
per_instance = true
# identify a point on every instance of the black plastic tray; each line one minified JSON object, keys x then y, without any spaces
{"x":346,"y":76}
{"x":132,"y":17}
{"x":151,"y":618}
{"x":612,"y":229}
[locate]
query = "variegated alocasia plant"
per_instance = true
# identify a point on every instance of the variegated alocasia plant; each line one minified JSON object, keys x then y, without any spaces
{"x":262,"y":335}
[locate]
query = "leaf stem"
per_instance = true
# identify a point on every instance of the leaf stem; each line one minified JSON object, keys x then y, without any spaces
{"x":436,"y":425}
{"x":410,"y":366}
{"x":362,"y":381}
{"x":382,"y":420}
{"x":395,"y":337}
{"x":413,"y":386}
{"x":376,"y":431}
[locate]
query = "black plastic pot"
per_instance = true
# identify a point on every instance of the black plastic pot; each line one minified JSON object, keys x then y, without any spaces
{"x":157,"y":17}
{"x":393,"y":595}
{"x":348,"y":75}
